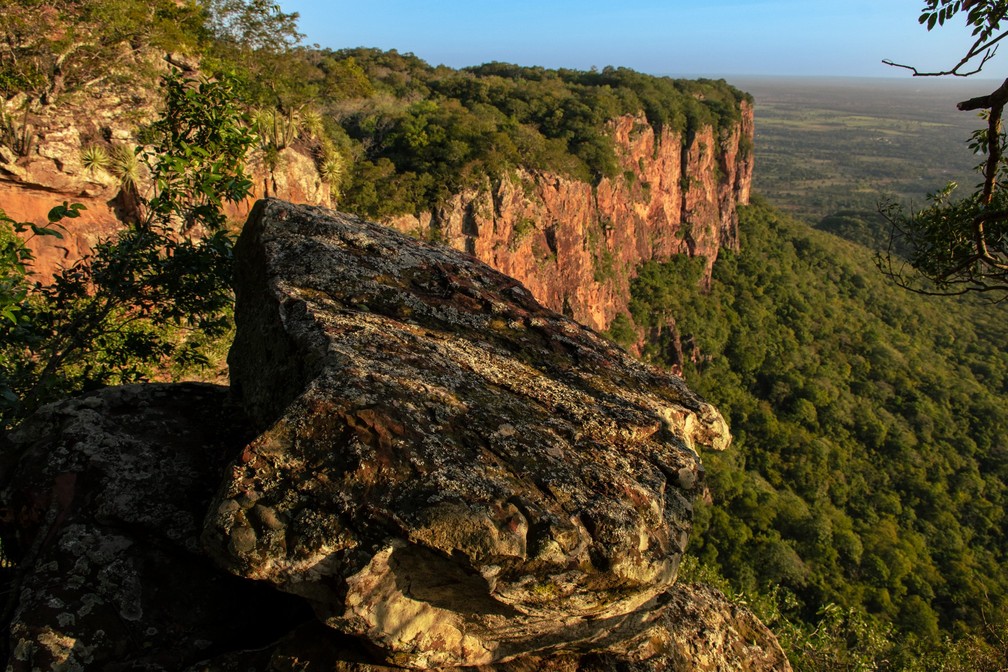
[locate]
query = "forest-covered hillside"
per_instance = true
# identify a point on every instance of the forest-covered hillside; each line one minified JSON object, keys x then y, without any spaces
{"x":870,"y":461}
{"x":412,"y":134}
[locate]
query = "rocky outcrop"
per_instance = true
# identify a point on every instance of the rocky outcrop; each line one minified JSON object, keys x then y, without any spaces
{"x":103,"y":502}
{"x":436,"y":472}
{"x":489,"y":477}
{"x":53,"y":169}
{"x":575,"y":246}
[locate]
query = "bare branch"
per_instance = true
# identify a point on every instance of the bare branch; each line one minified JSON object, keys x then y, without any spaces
{"x":958,"y":247}
{"x":996,"y":97}
{"x":982,"y":48}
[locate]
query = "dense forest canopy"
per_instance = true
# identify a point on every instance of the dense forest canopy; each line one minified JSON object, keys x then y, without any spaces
{"x":393,"y":134}
{"x":870,"y":466}
{"x":419,"y":133}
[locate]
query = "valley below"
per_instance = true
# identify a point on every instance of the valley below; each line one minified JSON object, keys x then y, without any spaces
{"x":837,"y":143}
{"x":724,"y":232}
{"x":867,"y":490}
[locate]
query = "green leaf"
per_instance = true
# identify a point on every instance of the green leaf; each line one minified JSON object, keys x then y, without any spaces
{"x":44,"y":231}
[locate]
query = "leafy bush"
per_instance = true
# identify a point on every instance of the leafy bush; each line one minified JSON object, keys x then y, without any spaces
{"x":119,"y":311}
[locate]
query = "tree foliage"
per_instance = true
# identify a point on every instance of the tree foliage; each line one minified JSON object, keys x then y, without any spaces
{"x":253,"y":25}
{"x":421,"y":133}
{"x":48,"y":48}
{"x":255,"y":41}
{"x":870,"y":466}
{"x":958,"y":246}
{"x":139,"y":298}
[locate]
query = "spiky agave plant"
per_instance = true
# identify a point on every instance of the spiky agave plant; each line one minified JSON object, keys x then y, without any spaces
{"x":331,"y":167}
{"x":94,"y":158}
{"x":125,"y":166}
{"x":312,"y":126}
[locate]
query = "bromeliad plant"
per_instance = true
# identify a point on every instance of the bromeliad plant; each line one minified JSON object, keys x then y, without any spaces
{"x":131,"y":303}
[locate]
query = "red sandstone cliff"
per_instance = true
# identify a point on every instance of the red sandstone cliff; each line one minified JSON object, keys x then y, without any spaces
{"x":576,"y":247}
{"x":53,"y":171}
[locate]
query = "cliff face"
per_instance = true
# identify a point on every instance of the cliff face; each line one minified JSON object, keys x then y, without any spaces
{"x":427,"y":470}
{"x":576,"y":247}
{"x":53,"y":170}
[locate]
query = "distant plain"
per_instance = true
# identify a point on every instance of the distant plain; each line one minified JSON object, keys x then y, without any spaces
{"x":825,"y":145}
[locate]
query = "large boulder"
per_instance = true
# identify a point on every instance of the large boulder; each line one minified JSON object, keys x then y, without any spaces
{"x":446,"y":469}
{"x":104,"y":496}
{"x":437,"y":472}
{"x":103,"y":500}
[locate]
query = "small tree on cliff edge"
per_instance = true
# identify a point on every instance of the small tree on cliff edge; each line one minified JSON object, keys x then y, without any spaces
{"x":959,"y":246}
{"x":129,"y":304}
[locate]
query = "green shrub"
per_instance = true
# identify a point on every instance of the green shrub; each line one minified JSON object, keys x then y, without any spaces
{"x":119,"y":312}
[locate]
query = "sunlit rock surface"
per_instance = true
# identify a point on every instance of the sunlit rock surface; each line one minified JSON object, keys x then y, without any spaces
{"x":576,"y":246}
{"x":452,"y":471}
{"x":429,"y":470}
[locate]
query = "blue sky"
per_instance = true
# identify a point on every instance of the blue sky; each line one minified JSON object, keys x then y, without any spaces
{"x":675,"y":37}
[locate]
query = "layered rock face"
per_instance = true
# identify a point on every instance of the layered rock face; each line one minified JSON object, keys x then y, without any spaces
{"x":576,"y":247}
{"x":436,"y":472}
{"x":54,"y":170}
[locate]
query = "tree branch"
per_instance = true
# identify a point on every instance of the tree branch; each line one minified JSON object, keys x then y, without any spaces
{"x":997,"y":97}
{"x":988,"y":48}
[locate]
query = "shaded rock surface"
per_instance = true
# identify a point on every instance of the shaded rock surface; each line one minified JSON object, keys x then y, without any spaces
{"x":432,"y":470}
{"x":104,"y":498}
{"x":693,"y":628}
{"x":454,"y":472}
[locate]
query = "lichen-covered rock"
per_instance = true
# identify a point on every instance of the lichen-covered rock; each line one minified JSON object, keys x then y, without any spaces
{"x":104,"y":498}
{"x":448,"y":475}
{"x":447,"y":469}
{"x":692,"y":628}
{"x":695,"y":628}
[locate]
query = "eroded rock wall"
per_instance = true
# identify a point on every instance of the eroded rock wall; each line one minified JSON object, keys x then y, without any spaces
{"x":54,"y":170}
{"x":575,"y":246}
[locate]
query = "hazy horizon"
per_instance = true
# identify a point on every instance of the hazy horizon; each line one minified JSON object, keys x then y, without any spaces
{"x":718,"y":38}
